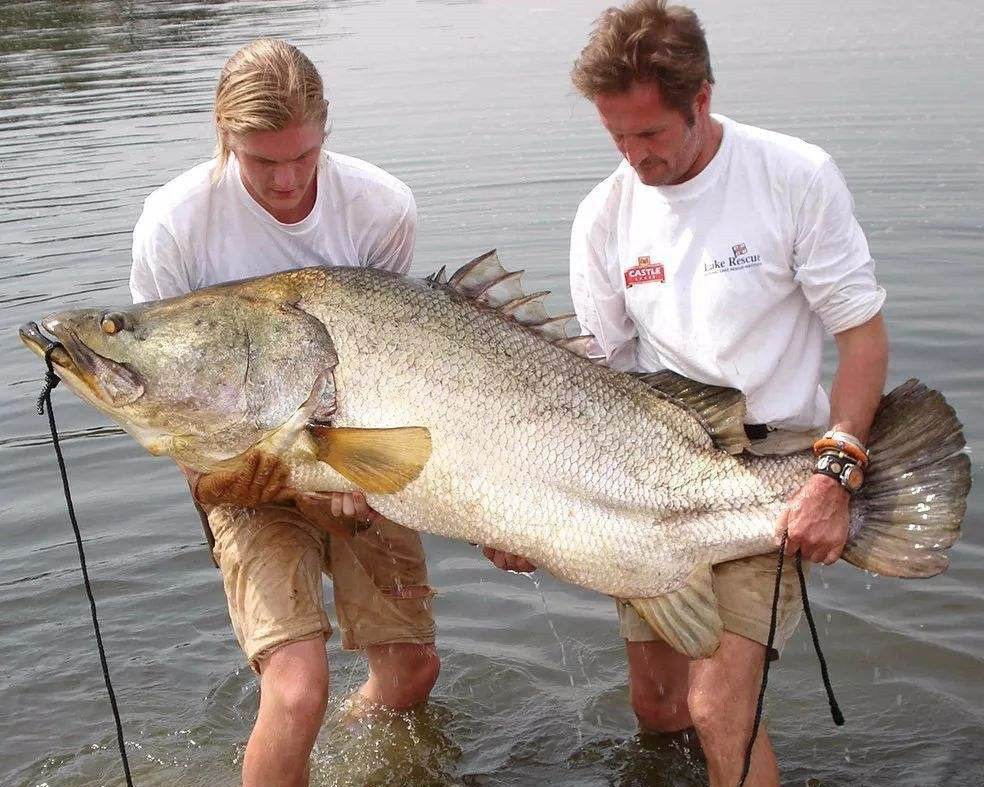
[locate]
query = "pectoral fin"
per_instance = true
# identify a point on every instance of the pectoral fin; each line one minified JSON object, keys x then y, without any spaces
{"x":687,"y":619}
{"x":376,"y":460}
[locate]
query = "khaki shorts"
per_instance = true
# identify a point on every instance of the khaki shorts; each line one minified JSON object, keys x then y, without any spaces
{"x":744,"y":588}
{"x":272,"y":559}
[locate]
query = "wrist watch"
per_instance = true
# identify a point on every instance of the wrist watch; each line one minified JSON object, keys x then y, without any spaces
{"x":842,"y":468}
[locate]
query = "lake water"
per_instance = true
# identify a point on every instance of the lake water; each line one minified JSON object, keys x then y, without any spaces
{"x":469,"y":103}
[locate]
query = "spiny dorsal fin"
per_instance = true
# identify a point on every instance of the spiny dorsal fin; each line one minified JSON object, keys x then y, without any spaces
{"x":502,"y":290}
{"x":720,"y":410}
{"x":528,"y":309}
{"x":438,"y":277}
{"x":576,"y":344}
{"x":486,"y":281}
{"x":556,"y":328}
{"x":473,"y":277}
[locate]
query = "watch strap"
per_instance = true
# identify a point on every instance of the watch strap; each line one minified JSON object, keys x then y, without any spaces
{"x":842,"y":467}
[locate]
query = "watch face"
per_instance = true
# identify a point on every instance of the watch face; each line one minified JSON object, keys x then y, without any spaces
{"x":853,"y":478}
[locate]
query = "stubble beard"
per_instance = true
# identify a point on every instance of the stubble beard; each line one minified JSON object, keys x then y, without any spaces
{"x":690,"y":152}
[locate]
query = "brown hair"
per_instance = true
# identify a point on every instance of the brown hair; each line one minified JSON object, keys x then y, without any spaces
{"x":265,"y":86}
{"x":646,"y":41}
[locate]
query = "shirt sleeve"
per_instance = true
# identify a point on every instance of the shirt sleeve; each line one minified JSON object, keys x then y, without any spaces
{"x":598,"y":303}
{"x":158,"y":269}
{"x":395,"y":252}
{"x":831,"y":260}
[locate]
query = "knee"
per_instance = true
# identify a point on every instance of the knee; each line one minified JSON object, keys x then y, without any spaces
{"x":300,"y":692}
{"x":403,"y":673}
{"x":419,"y":669}
{"x":658,"y":678}
{"x":715,"y":714}
{"x":658,"y":710}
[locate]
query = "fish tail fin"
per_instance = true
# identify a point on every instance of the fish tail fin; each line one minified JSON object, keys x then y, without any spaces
{"x":909,"y":511}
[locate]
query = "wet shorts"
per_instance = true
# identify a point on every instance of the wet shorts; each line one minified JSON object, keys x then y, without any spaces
{"x":272,"y":560}
{"x":744,"y":588}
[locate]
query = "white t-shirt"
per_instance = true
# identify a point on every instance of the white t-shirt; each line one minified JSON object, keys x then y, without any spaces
{"x":729,"y":278}
{"x":194,"y":234}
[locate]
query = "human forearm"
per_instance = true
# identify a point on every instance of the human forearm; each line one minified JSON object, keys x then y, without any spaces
{"x":860,"y":377}
{"x":816,"y":520}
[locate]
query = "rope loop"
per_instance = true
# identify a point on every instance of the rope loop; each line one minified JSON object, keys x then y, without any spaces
{"x":51,"y":381}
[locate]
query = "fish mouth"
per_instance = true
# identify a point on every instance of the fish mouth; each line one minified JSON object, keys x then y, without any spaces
{"x":41,"y":345}
{"x":92,"y":376}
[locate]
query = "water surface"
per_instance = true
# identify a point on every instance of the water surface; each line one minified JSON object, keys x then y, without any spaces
{"x":469,"y":103}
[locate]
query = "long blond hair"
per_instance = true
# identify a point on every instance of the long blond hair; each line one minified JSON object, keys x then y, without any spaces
{"x":265,"y":86}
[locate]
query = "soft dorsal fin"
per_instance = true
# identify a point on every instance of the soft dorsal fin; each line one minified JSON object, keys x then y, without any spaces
{"x":720,"y":410}
{"x":486,"y":281}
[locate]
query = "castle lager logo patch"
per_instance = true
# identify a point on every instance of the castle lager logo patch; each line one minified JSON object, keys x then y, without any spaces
{"x":644,"y":271}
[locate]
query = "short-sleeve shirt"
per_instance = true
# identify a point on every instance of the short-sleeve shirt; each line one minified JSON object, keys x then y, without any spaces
{"x":194,"y":233}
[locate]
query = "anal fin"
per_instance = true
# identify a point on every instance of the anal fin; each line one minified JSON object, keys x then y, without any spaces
{"x":686,"y":619}
{"x":375,"y":460}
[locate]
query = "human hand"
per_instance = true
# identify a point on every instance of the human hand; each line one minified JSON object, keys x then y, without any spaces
{"x":261,"y":479}
{"x":508,"y":561}
{"x":816,"y":520}
{"x":340,"y":513}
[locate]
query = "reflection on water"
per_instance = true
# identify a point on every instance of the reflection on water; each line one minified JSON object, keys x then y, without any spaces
{"x":100,"y":102}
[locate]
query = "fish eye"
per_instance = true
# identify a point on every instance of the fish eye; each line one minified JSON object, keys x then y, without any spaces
{"x":112,"y":322}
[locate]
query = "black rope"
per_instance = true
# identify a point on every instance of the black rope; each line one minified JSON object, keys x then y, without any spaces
{"x":44,"y":402}
{"x":765,"y":666}
{"x":835,"y":710}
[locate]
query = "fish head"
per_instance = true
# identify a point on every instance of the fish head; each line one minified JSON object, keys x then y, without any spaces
{"x":201,"y":377}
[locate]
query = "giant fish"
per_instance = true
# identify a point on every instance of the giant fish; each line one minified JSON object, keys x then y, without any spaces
{"x":463,"y":409}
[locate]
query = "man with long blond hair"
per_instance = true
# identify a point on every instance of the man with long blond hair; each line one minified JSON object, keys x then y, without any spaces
{"x":273,"y":199}
{"x":723,"y":252}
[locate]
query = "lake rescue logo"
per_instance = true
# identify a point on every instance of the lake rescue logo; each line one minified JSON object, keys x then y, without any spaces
{"x":645,"y":271}
{"x":739,"y":259}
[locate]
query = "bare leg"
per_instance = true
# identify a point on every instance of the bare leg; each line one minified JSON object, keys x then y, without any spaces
{"x":723,"y":693}
{"x":401,"y":675}
{"x":293,"y":698}
{"x":658,"y":683}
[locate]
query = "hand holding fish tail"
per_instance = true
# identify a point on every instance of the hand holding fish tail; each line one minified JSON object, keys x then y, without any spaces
{"x":508,"y":561}
{"x":816,"y":520}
